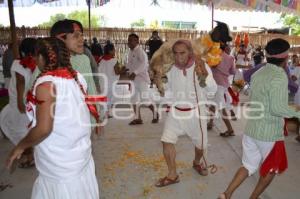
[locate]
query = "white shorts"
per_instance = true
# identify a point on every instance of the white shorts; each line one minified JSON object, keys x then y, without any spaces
{"x":141,"y":93}
{"x":254,"y":153}
{"x":180,"y":123}
{"x":219,"y":98}
{"x":228,"y":100}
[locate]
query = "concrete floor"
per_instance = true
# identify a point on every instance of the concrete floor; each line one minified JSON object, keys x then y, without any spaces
{"x":129,"y":161}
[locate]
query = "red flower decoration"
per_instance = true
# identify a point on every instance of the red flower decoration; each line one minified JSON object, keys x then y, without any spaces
{"x":28,"y":62}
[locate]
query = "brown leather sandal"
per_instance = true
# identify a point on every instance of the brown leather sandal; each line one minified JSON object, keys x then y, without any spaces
{"x":200,"y":169}
{"x":136,"y":121}
{"x":227,"y":134}
{"x":167,"y":181}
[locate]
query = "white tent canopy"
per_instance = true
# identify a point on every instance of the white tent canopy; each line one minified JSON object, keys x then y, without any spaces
{"x":54,"y":3}
{"x":284,"y":6}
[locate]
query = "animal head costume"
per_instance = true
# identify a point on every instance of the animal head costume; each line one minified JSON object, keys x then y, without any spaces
{"x":205,"y":49}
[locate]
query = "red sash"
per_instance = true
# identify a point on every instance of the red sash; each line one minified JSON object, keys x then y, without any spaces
{"x":235,"y":96}
{"x":276,"y":162}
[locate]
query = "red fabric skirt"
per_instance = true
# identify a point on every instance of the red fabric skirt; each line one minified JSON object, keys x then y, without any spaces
{"x":234,"y":95}
{"x":276,"y":161}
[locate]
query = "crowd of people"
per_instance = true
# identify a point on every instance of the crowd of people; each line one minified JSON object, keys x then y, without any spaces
{"x":52,"y":92}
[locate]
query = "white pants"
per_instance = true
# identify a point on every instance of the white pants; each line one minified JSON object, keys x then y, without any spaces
{"x":180,"y":123}
{"x":141,"y":93}
{"x":254,"y":153}
{"x":219,"y":98}
{"x":228,"y":100}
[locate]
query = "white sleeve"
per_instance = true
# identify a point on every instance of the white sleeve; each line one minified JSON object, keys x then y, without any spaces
{"x":17,"y":67}
{"x":211,"y":85}
{"x":143,"y":62}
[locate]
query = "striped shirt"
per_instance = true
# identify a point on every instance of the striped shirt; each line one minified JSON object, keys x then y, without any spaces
{"x":81,"y":63}
{"x":269,"y":93}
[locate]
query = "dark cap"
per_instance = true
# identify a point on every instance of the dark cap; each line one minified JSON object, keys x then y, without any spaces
{"x":277,"y":46}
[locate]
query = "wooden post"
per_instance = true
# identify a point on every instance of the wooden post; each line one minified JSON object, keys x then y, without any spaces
{"x":13,"y":33}
{"x":89,"y":12}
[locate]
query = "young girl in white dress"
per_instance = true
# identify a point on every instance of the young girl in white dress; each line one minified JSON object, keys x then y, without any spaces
{"x":109,"y":67}
{"x":60,"y":128}
{"x":13,"y":119}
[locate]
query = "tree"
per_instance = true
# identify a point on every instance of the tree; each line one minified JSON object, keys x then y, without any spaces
{"x":81,"y":16}
{"x":293,"y":22}
{"x":53,"y":19}
{"x":138,"y":24}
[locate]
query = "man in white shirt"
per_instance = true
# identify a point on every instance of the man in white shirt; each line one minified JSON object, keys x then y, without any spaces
{"x":137,"y":64}
{"x":188,"y":113}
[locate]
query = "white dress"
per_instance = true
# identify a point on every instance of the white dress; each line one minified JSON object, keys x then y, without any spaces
{"x":64,"y":159}
{"x":13,"y":123}
{"x":110,"y":79}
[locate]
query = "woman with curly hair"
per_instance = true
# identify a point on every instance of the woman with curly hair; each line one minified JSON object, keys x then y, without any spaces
{"x":58,"y":108}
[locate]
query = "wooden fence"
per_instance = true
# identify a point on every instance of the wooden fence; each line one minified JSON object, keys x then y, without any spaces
{"x":119,"y":35}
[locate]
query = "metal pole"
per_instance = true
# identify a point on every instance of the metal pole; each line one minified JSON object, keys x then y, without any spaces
{"x":13,"y":34}
{"x":212,"y":14}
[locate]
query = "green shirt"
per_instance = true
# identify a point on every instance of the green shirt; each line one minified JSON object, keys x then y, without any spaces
{"x":269,"y":92}
{"x":81,"y":63}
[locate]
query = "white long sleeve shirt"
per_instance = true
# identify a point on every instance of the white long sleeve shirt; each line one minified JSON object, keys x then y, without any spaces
{"x":137,"y":62}
{"x":183,"y":89}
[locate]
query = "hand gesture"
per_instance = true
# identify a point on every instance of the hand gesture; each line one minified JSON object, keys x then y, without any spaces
{"x":15,"y":154}
{"x":132,"y":76}
{"x":200,"y":68}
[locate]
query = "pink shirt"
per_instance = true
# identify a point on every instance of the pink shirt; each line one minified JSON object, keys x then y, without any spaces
{"x":224,"y":70}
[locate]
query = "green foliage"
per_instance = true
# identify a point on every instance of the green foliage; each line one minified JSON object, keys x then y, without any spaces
{"x":81,"y":16}
{"x":293,"y":22}
{"x":1,"y":25}
{"x":179,"y":25}
{"x":138,"y":24}
{"x":53,"y":19}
